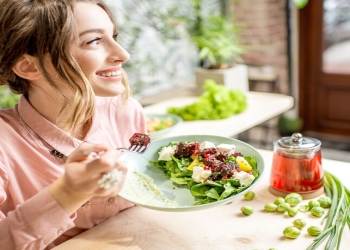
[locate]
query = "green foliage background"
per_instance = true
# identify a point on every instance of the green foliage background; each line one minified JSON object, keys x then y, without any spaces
{"x":7,"y":98}
{"x":157,"y":34}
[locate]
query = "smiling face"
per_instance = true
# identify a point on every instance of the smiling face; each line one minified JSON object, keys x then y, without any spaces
{"x":97,"y":52}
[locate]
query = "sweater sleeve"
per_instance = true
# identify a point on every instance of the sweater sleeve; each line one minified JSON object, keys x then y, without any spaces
{"x":33,"y":224}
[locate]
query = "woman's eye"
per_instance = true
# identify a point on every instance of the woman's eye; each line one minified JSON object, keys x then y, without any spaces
{"x":115,"y":37}
{"x":95,"y":41}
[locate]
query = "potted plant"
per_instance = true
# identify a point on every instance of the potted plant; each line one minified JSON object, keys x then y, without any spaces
{"x":218,"y":43}
{"x":219,"y":51}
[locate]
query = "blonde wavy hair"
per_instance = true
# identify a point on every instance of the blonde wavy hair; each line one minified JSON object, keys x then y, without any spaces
{"x":41,"y":27}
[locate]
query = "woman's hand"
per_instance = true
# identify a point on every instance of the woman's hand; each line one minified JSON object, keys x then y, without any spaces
{"x":82,"y":172}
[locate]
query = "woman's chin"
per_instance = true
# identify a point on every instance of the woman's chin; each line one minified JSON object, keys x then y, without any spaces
{"x":110,"y":92}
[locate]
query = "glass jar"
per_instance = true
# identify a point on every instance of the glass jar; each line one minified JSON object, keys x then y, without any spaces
{"x":297,"y":165}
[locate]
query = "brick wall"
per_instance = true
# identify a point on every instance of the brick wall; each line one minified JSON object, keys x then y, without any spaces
{"x":265,"y":33}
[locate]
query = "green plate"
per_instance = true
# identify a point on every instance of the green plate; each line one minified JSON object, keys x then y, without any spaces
{"x":137,"y":190}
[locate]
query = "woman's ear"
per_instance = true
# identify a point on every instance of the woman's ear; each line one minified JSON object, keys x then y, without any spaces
{"x":27,"y":68}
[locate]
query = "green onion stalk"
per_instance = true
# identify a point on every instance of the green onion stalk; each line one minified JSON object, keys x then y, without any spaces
{"x":338,"y":215}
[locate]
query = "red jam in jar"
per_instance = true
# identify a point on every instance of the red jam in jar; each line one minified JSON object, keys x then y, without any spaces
{"x":297,"y":165}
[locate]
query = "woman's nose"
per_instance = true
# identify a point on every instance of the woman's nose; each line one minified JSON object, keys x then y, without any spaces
{"x":118,"y":53}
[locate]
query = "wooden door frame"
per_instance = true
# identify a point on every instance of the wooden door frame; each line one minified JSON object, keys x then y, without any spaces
{"x":313,"y":82}
{"x":309,"y":62}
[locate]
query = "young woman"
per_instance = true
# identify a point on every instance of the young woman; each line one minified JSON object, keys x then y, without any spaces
{"x":63,"y":57}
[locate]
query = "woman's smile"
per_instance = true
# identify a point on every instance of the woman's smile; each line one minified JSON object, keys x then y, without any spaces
{"x":114,"y":74}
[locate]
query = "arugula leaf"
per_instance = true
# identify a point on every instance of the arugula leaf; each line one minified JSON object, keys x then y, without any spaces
{"x":182,"y":163}
{"x":255,"y":173}
{"x":179,"y":180}
{"x":204,"y":201}
{"x":191,"y":183}
{"x":212,"y":193}
{"x":200,"y":190}
{"x":186,"y":173}
{"x":229,"y":189}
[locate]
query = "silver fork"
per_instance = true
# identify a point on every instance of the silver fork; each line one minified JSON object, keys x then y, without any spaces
{"x":138,"y":143}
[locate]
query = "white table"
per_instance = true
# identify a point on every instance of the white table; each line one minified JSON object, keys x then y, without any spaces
{"x":261,"y":107}
{"x":222,"y":227}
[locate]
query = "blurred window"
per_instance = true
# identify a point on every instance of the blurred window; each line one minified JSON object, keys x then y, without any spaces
{"x":336,"y":35}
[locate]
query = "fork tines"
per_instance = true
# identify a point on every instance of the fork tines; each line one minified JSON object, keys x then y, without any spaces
{"x":138,"y":148}
{"x":139,"y":143}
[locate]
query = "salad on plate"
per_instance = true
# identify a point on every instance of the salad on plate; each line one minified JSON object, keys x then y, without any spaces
{"x":156,"y":123}
{"x":211,"y":172}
